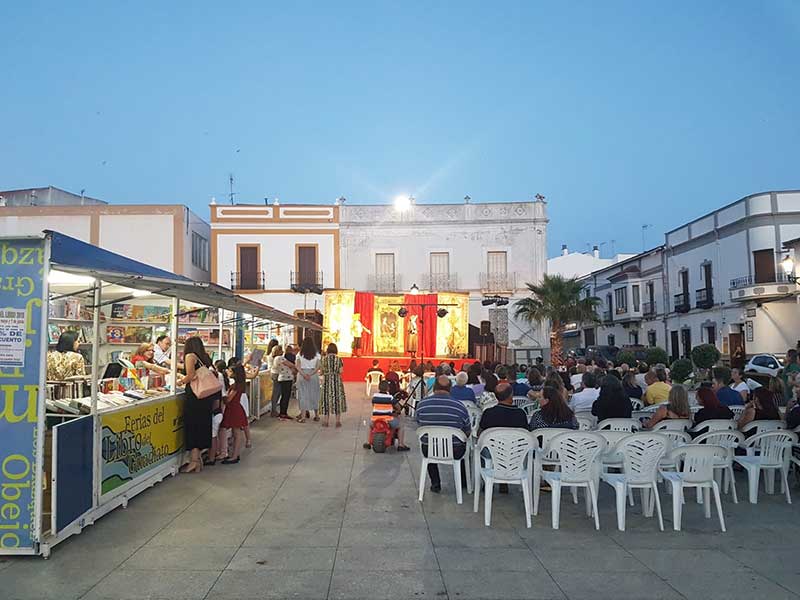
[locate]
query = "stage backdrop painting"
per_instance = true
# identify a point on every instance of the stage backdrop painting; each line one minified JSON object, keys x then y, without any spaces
{"x":453,"y":329}
{"x":338,"y":320}
{"x":426,"y":321}
{"x":389,"y":327}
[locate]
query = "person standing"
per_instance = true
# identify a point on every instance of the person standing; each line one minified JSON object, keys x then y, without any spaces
{"x":286,"y":373}
{"x":274,"y":368}
{"x":196,"y":411}
{"x":332,"y":398}
{"x":789,"y":372}
{"x":308,"y":380}
{"x":234,"y":416}
{"x":738,"y":358}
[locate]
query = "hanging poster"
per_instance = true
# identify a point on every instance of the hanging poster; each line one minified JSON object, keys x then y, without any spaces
{"x":338,"y":320}
{"x":22,"y":265}
{"x":388,"y":327}
{"x":452,"y":330}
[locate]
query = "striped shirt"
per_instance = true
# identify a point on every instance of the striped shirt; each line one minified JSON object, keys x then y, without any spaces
{"x":382,"y":407}
{"x":443,"y":411}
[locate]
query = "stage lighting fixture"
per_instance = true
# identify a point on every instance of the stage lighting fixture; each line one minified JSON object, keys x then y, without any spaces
{"x":488,"y":301}
{"x":402,"y":312}
{"x":414,"y":289}
{"x":441,"y":313}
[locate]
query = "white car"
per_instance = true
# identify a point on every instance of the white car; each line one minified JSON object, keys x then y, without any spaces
{"x":769,"y":364}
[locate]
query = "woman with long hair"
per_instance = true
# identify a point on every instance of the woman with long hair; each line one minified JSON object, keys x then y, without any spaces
{"x":761,"y":407}
{"x":65,"y":361}
{"x":554,"y":411}
{"x":196,"y":411}
{"x":553,"y":379}
{"x":712,"y":407}
{"x":234,"y":416}
{"x":332,"y":398}
{"x":612,"y":401}
{"x":677,"y":407}
{"x":630,"y":386}
{"x":143,"y":359}
{"x":487,"y":398}
{"x":286,"y":373}
{"x":308,"y":388}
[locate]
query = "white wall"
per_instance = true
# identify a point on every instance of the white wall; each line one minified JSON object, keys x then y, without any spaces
{"x":74,"y":226}
{"x":146,"y":238}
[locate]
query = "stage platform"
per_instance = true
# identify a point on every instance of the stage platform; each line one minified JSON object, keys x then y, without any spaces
{"x":355,"y":368}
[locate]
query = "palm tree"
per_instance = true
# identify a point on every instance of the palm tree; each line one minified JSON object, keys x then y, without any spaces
{"x":557,"y":300}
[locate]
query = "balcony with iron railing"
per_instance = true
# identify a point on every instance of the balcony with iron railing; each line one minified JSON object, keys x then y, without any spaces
{"x":649,"y":308}
{"x":385,"y":283}
{"x":607,"y":317}
{"x":762,"y":286}
{"x":439,"y":282}
{"x":682,"y":302}
{"x":247,"y":280}
{"x":306,"y":282}
{"x":495,"y":283}
{"x":704,"y":298}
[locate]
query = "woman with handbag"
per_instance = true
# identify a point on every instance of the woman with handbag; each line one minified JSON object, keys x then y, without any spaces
{"x":202,"y":391}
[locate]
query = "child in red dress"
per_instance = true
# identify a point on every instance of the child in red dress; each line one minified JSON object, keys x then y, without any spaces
{"x":234,"y":416}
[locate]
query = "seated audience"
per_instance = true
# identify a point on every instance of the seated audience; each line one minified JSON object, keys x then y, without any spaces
{"x":474,"y":379}
{"x":488,"y":397}
{"x":554,"y":412}
{"x":642,"y":370}
{"x":460,"y":391}
{"x":726,"y":395}
{"x":761,"y":407}
{"x":612,"y":401}
{"x":521,"y":387}
{"x":576,"y":376}
{"x":384,"y":408}
{"x":535,"y":384}
{"x":504,"y":413}
{"x":631,"y":388}
{"x":657,"y":387}
{"x":712,"y":407}
{"x":739,"y":384}
{"x":582,"y":401}
{"x":677,"y":407}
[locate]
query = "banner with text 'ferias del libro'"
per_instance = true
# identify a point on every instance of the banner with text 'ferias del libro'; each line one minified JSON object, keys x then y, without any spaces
{"x":21,"y":299}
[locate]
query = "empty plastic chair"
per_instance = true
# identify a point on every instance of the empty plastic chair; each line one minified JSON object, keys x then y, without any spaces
{"x":672,"y":425}
{"x":629,"y":425}
{"x":439,"y":444}
{"x":542,"y":458}
{"x":641,"y":454}
{"x":510,"y":450}
{"x":773,"y":452}
{"x":730,"y":440}
{"x":696,"y":471}
{"x":372,"y":379}
{"x":713,"y":425}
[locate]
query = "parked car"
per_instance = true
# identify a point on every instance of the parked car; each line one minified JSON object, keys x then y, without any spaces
{"x":605,"y":352}
{"x":769,"y":364}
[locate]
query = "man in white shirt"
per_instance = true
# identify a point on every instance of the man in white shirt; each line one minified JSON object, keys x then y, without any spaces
{"x":577,"y":378}
{"x":161,"y":353}
{"x":583,"y":400}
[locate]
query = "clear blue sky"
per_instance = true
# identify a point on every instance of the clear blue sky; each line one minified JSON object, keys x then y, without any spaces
{"x":621,"y":113}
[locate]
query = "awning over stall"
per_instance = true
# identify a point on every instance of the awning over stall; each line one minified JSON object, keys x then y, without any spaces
{"x":74,"y":256}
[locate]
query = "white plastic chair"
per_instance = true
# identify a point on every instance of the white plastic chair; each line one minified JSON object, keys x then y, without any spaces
{"x":697,"y":472}
{"x":672,"y":425}
{"x":641,"y":454}
{"x":511,"y":453}
{"x":440,"y":452}
{"x":529,"y":408}
{"x":629,"y":425}
{"x":611,"y":459}
{"x":774,"y":452}
{"x":737,"y":410}
{"x":474,"y":423}
{"x":542,"y":458}
{"x":519,"y":401}
{"x":714,"y":425}
{"x":372,"y":379}
{"x":578,"y":454}
{"x":585,"y":422}
{"x":636,"y":404}
{"x":730,"y":440}
{"x":762,"y":426}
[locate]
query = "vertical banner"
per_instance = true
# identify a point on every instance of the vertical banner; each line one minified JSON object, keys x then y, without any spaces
{"x":452,"y":331}
{"x":388,"y":326}
{"x":22,"y":271}
{"x":338,"y":320}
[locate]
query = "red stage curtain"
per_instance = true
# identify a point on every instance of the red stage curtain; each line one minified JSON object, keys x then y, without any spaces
{"x":427,"y":330}
{"x":365,"y":306}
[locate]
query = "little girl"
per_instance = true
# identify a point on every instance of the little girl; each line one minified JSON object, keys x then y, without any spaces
{"x":217,"y":451}
{"x":234,"y":416}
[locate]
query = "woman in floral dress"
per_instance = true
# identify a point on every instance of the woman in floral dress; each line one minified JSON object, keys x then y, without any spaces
{"x":332,"y":398}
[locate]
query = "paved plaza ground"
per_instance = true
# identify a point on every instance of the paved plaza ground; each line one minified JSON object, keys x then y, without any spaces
{"x":309,"y":514}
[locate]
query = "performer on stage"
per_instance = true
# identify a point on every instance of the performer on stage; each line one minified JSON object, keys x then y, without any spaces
{"x":357,"y":329}
{"x":411,"y":342}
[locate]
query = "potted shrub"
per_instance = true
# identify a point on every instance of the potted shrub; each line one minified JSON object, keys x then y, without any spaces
{"x":627,"y":357}
{"x":704,"y":357}
{"x":681,"y":370}
{"x":656,"y":355}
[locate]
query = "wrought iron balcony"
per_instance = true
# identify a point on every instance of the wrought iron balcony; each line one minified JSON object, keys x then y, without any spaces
{"x":748,"y":287}
{"x":439,"y":282}
{"x":704,"y":298}
{"x":247,"y":280}
{"x":748,"y":280}
{"x":384,"y":282}
{"x":649,"y":308}
{"x":607,"y":316}
{"x":305,"y":282}
{"x":494,"y":283}
{"x":682,"y":303}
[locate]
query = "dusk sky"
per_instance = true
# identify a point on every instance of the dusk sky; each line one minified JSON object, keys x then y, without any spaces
{"x":620,"y":113}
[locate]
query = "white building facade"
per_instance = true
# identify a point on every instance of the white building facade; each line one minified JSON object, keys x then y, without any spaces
{"x":487,"y":250}
{"x":577,"y":264}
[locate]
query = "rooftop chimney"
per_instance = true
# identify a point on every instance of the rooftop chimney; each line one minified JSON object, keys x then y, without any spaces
{"x":595,"y":251}
{"x":564,"y":250}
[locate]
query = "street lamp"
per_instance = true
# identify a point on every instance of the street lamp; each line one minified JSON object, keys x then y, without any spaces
{"x":402,"y":203}
{"x":788,"y":269}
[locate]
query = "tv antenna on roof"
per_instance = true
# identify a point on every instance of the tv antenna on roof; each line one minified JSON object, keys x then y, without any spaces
{"x":231,"y":195}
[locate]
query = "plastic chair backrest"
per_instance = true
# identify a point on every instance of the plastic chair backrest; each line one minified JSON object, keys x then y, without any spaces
{"x":585,"y":423}
{"x":578,"y":452}
{"x":530,"y":408}
{"x":520,"y":400}
{"x":714,"y":425}
{"x":542,"y":438}
{"x":676,"y":438}
{"x":629,"y":425}
{"x":612,"y":438}
{"x":772,"y":446}
{"x":636,"y":404}
{"x":762,"y":426}
{"x":727,"y":438}
{"x":374,"y":377}
{"x":698,"y":461}
{"x":673,"y":425}
{"x":440,"y":441}
{"x":509,"y":448}
{"x":641,"y":453}
{"x":737,"y":410}
{"x":474,"y":417}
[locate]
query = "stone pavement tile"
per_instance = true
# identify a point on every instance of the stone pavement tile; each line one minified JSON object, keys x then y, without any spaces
{"x":201,"y":533}
{"x":490,"y":584}
{"x":592,"y":558}
{"x":132,"y":584}
{"x":181,"y":558}
{"x":412,"y":558}
{"x":470,"y":520}
{"x":475,"y":538}
{"x":762,"y":558}
{"x":743,"y":583}
{"x":260,"y":585}
{"x":283,"y":559}
{"x":386,"y":585}
{"x":33,"y":578}
{"x":635,"y":540}
{"x":388,"y":518}
{"x":275,"y":536}
{"x":378,"y":538}
{"x":488,"y":559}
{"x":314,"y":503}
{"x":665,"y":562}
{"x":400,"y":503}
{"x":580,"y":584}
{"x":299,"y":519}
{"x":542,"y":535}
{"x":788,"y":578}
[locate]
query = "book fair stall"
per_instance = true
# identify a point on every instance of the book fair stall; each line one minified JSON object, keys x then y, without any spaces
{"x":76,"y":447}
